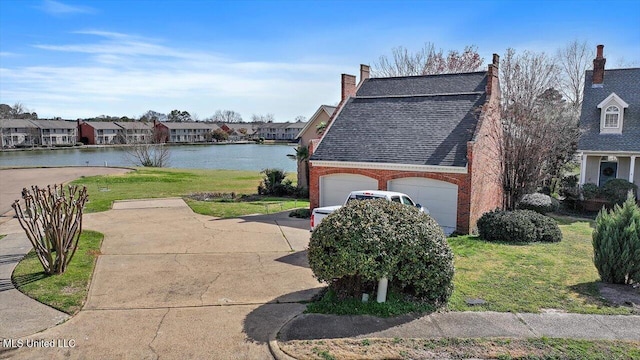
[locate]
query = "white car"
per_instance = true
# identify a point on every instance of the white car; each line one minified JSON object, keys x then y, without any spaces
{"x":319,"y":214}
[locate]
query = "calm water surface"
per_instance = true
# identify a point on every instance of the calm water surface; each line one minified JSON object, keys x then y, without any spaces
{"x":233,"y":157}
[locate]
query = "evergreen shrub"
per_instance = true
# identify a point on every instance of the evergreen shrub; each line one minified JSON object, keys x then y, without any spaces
{"x":539,"y":203}
{"x":518,"y":226}
{"x":616,"y":243}
{"x":363,"y":241}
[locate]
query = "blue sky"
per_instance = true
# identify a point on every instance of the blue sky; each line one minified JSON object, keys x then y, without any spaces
{"x":77,"y":59}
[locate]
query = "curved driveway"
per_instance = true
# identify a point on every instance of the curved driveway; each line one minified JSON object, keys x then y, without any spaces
{"x":174,"y":284}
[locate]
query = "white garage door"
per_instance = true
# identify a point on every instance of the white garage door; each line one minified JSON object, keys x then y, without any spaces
{"x":335,"y":188}
{"x":441,"y":198}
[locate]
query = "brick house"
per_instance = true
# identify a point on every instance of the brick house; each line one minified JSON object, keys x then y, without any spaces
{"x":432,"y":137}
{"x":98,"y":132}
{"x":308,"y":133}
{"x":609,"y":145}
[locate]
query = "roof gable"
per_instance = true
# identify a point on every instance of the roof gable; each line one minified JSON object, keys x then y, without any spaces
{"x":619,"y":85}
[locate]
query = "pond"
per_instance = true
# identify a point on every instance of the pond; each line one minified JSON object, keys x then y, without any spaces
{"x":254,"y":157}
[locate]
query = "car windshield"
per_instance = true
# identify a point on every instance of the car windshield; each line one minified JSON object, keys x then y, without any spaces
{"x":364,"y":197}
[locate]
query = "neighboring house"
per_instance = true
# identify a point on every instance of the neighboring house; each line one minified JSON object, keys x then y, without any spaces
{"x":238,"y":131}
{"x":99,"y":132}
{"x":22,"y":132}
{"x":308,"y":133}
{"x":286,"y":131}
{"x":135,"y":132}
{"x":610,"y":123}
{"x":57,"y":132}
{"x":185,"y":132}
{"x":435,"y":138}
{"x":18,"y":133}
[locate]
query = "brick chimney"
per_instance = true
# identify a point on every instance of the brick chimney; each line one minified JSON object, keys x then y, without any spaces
{"x":348,"y":86}
{"x":598,"y":67}
{"x":492,"y":73}
{"x":365,"y":72}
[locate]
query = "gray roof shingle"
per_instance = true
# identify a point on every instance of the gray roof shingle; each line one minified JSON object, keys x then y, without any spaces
{"x":424,"y":130}
{"x":626,"y":84}
{"x":423,"y":85}
{"x":416,"y":120}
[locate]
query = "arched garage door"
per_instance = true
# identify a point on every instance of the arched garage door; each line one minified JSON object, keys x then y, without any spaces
{"x":441,"y":198}
{"x":335,"y":188}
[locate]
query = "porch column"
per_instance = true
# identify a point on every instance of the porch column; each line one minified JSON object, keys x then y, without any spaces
{"x":583,"y":169}
{"x":632,"y":168}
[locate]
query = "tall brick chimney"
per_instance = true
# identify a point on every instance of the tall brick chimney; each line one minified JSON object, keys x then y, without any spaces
{"x":598,"y":67}
{"x":348,"y":86}
{"x":492,"y":73}
{"x":365,"y":72}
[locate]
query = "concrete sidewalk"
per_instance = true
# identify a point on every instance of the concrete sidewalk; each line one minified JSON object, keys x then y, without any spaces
{"x":464,"y":325}
{"x":19,"y":314}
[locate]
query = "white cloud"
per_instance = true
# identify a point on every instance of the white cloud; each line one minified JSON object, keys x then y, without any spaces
{"x":122,"y":74}
{"x":57,"y":8}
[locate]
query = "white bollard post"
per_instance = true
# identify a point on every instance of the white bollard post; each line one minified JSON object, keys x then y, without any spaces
{"x":382,"y":290}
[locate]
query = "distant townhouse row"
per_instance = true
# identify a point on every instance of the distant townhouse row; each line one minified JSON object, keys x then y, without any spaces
{"x":281,"y":131}
{"x":27,"y":133}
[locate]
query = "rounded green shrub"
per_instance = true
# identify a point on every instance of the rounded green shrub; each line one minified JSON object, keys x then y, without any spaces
{"x":616,"y":190}
{"x":616,"y":243}
{"x":539,"y":203}
{"x":518,"y":226}
{"x":367,"y":240}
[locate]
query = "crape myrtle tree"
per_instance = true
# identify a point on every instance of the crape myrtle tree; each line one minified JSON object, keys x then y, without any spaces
{"x":52,"y":219}
{"x":540,"y":128}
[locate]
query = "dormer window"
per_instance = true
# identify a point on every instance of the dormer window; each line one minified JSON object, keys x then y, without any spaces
{"x":612,"y":117}
{"x":612,"y":114}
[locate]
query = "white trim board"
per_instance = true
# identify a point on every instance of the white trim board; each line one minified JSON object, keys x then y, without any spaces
{"x":389,"y":166}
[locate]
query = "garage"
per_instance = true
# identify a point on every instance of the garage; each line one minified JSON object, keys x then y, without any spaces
{"x":440,"y":197}
{"x":335,"y":188}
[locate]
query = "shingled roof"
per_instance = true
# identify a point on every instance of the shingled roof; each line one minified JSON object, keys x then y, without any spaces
{"x":417,"y":120}
{"x":626,"y":84}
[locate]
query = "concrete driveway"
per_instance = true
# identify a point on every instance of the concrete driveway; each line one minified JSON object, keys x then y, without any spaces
{"x":174,"y":284}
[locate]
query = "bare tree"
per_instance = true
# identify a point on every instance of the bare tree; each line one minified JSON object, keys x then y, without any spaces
{"x":300,"y":118}
{"x":150,"y":154}
{"x":573,"y":59}
{"x":539,"y":133}
{"x":266,"y":118}
{"x":52,"y":220}
{"x":427,"y":61}
{"x":227,"y":116}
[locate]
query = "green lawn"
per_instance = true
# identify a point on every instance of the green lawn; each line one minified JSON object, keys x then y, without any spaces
{"x":511,"y":278}
{"x":66,"y":292}
{"x":157,"y":183}
{"x":525,"y":349}
{"x":530,"y":278}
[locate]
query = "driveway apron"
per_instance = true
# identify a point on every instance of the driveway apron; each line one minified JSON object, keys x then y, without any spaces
{"x":174,"y":284}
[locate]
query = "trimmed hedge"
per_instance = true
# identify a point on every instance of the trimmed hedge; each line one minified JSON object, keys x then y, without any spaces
{"x":539,"y":203}
{"x":366,"y":240}
{"x":518,"y":226}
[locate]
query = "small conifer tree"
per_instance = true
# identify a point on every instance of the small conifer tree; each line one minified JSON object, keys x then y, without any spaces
{"x":616,"y":243}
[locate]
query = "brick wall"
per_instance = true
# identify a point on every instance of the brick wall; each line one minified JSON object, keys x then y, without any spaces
{"x":383,"y":176}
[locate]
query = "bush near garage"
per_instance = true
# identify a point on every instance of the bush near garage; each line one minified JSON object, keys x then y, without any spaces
{"x":366,"y":240}
{"x":616,"y":243}
{"x":518,"y":226}
{"x":539,"y":203}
